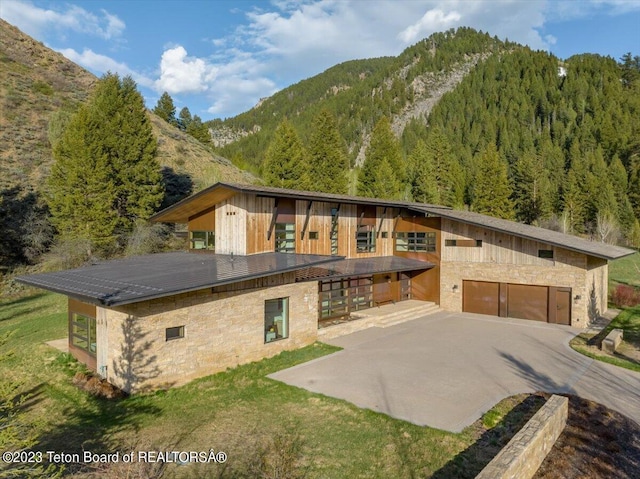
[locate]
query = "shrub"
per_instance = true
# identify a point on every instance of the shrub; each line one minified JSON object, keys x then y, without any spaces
{"x":625,"y":296}
{"x":97,"y":386}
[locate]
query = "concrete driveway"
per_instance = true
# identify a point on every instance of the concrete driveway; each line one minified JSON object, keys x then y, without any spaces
{"x":446,"y":369}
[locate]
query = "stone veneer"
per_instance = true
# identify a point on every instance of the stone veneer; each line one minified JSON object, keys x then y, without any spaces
{"x":221,"y":330}
{"x":522,"y":456}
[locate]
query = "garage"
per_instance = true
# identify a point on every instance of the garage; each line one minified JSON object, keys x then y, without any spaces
{"x":537,"y":303}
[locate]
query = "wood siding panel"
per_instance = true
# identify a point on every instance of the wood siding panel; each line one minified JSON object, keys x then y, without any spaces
{"x":203,"y":221}
{"x":259,"y":216}
{"x":231,"y":224}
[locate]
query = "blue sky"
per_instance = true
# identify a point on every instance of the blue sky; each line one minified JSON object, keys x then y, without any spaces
{"x":220,"y":57}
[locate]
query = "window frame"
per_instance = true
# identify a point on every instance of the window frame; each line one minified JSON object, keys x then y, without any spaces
{"x":285,"y":238}
{"x":90,"y":335}
{"x":271,"y":331}
{"x":209,"y":240}
{"x":546,"y":254}
{"x":416,"y":242}
{"x":179,"y":335}
{"x":365,"y":239}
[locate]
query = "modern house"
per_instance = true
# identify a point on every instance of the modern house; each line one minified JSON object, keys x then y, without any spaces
{"x":271,"y":269}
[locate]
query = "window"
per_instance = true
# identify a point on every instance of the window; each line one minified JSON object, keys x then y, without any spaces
{"x":313,"y":235}
{"x":384,"y":234}
{"x":545,"y":253}
{"x":416,"y":241}
{"x":285,"y":238}
{"x":83,"y":333}
{"x":202,"y":240}
{"x":334,"y":231}
{"x":365,"y":239}
{"x":276,"y":319}
{"x":174,"y":333}
{"x":463,"y":243}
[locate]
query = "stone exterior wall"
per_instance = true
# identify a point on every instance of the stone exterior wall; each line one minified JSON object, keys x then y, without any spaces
{"x":526,"y":451}
{"x":221,"y":330}
{"x":521,"y":265}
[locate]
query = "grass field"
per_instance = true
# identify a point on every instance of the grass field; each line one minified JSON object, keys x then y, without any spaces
{"x":264,"y":426}
{"x":625,"y":271}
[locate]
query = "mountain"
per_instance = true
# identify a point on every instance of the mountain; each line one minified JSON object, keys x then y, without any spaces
{"x":40,"y":87}
{"x":359,"y":92}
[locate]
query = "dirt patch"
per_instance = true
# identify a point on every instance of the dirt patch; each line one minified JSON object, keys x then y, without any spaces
{"x":597,"y":443}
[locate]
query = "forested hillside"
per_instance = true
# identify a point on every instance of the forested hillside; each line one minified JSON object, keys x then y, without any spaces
{"x":358,"y":93}
{"x":507,"y":129}
{"x":569,"y":133}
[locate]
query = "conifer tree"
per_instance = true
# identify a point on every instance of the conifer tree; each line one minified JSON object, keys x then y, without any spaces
{"x":492,"y":189}
{"x":184,"y":119}
{"x":448,"y":174}
{"x":285,"y":164}
{"x":422,"y":175}
{"x":383,"y":154}
{"x":105,"y":177}
{"x":328,"y":163}
{"x":198,"y":130}
{"x":165,"y":109}
{"x":531,"y":189}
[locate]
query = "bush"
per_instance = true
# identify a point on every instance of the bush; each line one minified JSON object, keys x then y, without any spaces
{"x":625,"y":296}
{"x":97,"y":386}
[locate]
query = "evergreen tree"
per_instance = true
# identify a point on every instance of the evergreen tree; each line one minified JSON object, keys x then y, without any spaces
{"x":165,"y":109}
{"x":105,"y":177}
{"x":184,"y":119}
{"x":383,"y":154}
{"x":285,"y":164}
{"x":198,"y":130}
{"x":422,"y":175}
{"x":328,"y":163}
{"x":492,"y":190}
{"x":531,"y":192}
{"x":448,"y":174}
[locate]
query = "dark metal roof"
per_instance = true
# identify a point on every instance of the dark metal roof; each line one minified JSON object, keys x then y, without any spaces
{"x":140,"y":278}
{"x":362,"y":267}
{"x":169,"y":214}
{"x":570,"y":242}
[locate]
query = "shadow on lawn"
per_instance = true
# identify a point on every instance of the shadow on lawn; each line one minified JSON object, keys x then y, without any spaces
{"x":472,"y":460}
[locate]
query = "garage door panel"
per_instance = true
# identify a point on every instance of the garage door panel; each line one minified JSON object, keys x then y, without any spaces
{"x":528,"y":302}
{"x":481,"y":297}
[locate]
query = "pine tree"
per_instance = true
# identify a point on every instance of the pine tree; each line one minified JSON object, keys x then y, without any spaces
{"x":422,"y":175}
{"x":328,"y":164}
{"x":492,"y":190}
{"x":383,"y":153}
{"x":105,"y":177}
{"x":531,"y":192}
{"x":448,"y":174}
{"x":198,"y":130}
{"x":165,"y":109}
{"x":285,"y":164}
{"x":184,"y":119}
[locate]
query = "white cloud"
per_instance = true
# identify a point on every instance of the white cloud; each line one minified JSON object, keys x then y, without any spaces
{"x":433,"y":20}
{"x":182,"y":74}
{"x":35,"y":20}
{"x":102,"y":64}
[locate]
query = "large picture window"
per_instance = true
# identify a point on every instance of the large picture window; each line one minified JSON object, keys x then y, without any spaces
{"x":276,"y":319}
{"x":202,"y":240}
{"x":285,"y":238}
{"x":365,"y":239}
{"x":415,"y":241}
{"x":83,"y":333}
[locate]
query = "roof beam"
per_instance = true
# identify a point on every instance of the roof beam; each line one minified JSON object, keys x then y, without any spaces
{"x":274,"y":218}
{"x":306,"y":219}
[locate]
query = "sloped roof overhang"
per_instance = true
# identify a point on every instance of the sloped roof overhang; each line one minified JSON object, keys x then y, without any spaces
{"x":141,"y":278}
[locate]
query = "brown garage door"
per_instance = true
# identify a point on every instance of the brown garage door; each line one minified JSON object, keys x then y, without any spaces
{"x":528,"y":302}
{"x":538,"y":303}
{"x":481,"y":297}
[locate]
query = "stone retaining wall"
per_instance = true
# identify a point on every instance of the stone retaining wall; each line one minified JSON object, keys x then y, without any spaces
{"x":523,"y":455}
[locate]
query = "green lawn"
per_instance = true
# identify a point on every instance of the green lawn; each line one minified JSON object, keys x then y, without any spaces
{"x":264,"y":426}
{"x":625,"y":271}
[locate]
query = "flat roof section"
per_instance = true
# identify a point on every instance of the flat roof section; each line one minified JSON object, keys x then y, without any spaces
{"x":140,"y":278}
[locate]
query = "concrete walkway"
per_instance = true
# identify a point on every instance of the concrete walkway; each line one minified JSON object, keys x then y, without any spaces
{"x":445,"y":370}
